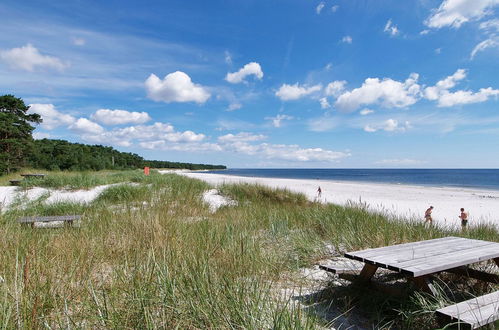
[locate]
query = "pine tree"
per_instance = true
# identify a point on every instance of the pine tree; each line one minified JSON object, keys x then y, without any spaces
{"x":15,"y":132}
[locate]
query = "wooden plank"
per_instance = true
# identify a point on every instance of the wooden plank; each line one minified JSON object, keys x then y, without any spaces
{"x":475,"y":312}
{"x":398,"y":248}
{"x":37,"y":175}
{"x":342,"y":269}
{"x":416,"y":256}
{"x":476,"y":274}
{"x":425,"y":283}
{"x":451,"y":253}
{"x":438,"y":265}
{"x":49,"y":218}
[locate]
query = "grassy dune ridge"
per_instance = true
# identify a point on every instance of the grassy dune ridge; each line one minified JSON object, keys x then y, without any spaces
{"x":151,"y":255}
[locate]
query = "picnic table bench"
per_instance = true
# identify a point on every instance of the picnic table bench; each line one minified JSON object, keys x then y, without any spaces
{"x":419,"y":261}
{"x":472,"y":313}
{"x":68,"y":219}
{"x":15,"y":182}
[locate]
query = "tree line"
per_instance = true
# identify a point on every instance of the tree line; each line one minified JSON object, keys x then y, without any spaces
{"x":19,"y":149}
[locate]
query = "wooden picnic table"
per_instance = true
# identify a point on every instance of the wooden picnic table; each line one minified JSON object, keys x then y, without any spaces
{"x":33,"y":175}
{"x":419,"y":260}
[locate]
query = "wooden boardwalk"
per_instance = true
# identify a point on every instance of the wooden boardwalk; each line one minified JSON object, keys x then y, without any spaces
{"x":428,"y":257}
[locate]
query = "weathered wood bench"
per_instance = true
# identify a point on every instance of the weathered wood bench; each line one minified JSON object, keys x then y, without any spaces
{"x":350,"y":268}
{"x":15,"y":182}
{"x":33,"y":175}
{"x":473,"y":313}
{"x":68,"y":219}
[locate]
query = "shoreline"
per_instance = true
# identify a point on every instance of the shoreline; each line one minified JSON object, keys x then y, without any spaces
{"x":395,"y":200}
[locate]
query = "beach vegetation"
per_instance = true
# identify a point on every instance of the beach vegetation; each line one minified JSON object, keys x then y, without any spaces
{"x":148,"y":253}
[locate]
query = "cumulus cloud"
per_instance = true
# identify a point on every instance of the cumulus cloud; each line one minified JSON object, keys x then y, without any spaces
{"x":175,"y":87}
{"x":491,"y":29}
{"x":250,"y":69}
{"x":387,"y":92}
{"x":28,"y":58}
{"x":335,"y":88}
{"x":390,"y":125}
{"x":454,"y":13}
{"x":440,"y":92}
{"x":241,"y":137}
{"x":391,"y":28}
{"x":287,"y":152}
{"x":85,"y":126}
{"x":52,"y":118}
{"x":276,"y":121}
{"x":347,"y":39}
{"x":294,"y":92}
{"x":41,"y":135}
{"x":335,"y":8}
{"x":324,"y":103}
{"x":120,"y":117}
{"x":319,"y":8}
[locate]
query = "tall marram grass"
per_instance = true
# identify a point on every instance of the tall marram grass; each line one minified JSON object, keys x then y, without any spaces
{"x":153,"y":256}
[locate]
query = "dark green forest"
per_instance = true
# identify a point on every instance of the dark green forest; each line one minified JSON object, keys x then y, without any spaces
{"x":18,"y":148}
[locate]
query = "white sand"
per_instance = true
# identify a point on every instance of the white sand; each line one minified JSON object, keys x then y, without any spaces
{"x":216,"y":201}
{"x":9,"y":195}
{"x":396,"y":200}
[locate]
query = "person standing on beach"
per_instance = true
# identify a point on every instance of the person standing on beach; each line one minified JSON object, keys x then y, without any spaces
{"x":427,"y":215}
{"x":464,"y":218}
{"x":319,"y":192}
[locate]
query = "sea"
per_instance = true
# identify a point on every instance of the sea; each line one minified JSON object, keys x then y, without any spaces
{"x":465,"y":178}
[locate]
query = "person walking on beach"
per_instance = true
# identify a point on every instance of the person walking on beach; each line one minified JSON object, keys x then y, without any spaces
{"x":319,"y":192}
{"x":427,"y":215}
{"x":464,"y":218}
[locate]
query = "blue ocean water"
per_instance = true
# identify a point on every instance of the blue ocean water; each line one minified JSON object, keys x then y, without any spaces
{"x":466,"y":178}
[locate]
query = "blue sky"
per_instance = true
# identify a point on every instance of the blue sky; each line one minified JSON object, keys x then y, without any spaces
{"x":268,"y":83}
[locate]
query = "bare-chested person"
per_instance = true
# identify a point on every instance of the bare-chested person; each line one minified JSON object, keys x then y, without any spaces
{"x":427,"y":215}
{"x":464,"y":218}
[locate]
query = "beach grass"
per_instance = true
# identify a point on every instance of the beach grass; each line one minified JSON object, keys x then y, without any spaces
{"x":152,"y":255}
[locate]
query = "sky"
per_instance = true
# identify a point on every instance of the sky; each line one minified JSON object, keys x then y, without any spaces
{"x":263,"y":83}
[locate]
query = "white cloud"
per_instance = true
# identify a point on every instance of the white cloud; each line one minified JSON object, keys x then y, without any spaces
{"x":287,"y":152}
{"x":335,"y":88}
{"x":119,"y":117}
{"x":319,"y":8}
{"x":241,"y":137}
{"x":175,"y":87}
{"x":488,"y":43}
{"x":347,"y":39}
{"x":387,"y":92}
{"x":85,"y":126}
{"x":28,"y":58}
{"x":276,"y":121}
{"x":466,"y":97}
{"x":324,"y":103}
{"x":391,"y":28}
{"x":440,"y":92}
{"x":52,"y":118}
{"x":390,"y":125}
{"x":78,"y":41}
{"x":424,"y":32}
{"x":234,"y":106}
{"x":365,"y":112}
{"x":454,"y":13}
{"x":335,"y":8}
{"x":249,"y":69}
{"x":294,"y":92}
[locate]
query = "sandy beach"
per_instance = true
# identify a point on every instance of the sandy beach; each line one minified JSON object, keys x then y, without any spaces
{"x":396,"y":200}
